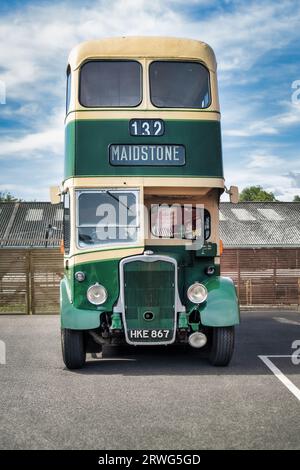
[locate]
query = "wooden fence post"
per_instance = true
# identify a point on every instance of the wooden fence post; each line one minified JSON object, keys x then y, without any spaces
{"x":27,"y":274}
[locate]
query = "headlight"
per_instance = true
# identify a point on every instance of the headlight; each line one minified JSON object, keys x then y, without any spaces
{"x":96,"y":294}
{"x":197,"y":293}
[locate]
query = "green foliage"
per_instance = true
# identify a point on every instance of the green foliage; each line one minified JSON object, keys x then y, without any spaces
{"x":6,"y":196}
{"x":256,"y":194}
{"x":296,"y":198}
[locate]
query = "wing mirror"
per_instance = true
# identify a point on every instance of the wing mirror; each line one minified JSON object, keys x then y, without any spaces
{"x":55,"y":194}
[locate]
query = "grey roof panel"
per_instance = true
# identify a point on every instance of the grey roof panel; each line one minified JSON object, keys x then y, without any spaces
{"x":30,"y":225}
{"x":270,"y":224}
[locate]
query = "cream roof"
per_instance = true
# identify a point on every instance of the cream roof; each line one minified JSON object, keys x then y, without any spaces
{"x":143,"y":46}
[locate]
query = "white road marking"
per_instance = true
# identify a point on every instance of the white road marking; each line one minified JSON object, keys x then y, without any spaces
{"x":280,"y":376}
{"x":286,"y":320}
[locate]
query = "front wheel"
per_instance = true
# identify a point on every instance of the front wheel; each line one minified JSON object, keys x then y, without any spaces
{"x":222,"y":345}
{"x":73,"y":348}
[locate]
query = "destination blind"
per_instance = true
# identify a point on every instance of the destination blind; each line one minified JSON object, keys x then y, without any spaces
{"x":169,"y":155}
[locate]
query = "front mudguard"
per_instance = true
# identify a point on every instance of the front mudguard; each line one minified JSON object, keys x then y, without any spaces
{"x":75,"y":318}
{"x":222,"y":306}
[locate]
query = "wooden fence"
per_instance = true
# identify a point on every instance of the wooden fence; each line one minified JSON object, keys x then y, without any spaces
{"x":264,"y":277}
{"x":29,"y":278}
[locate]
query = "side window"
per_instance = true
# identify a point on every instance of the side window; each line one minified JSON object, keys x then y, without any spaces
{"x":66,"y":223}
{"x":68,"y":91}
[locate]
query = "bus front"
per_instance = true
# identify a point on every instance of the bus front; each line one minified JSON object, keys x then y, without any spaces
{"x":143,"y":179}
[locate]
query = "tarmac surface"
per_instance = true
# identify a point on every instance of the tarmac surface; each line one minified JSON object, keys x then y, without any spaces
{"x":137,"y":398}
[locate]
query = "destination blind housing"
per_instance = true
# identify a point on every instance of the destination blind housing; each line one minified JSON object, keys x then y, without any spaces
{"x":173,"y":155}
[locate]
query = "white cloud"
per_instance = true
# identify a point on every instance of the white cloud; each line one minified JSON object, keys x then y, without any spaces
{"x":38,"y":38}
{"x":263,"y":160}
{"x":273,"y":173}
{"x":271,"y":125}
{"x":47,"y":141}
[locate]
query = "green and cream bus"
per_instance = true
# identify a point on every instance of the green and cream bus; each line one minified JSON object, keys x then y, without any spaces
{"x":142,"y":183}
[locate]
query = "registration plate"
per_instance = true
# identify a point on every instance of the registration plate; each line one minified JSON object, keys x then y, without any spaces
{"x":155,"y":335}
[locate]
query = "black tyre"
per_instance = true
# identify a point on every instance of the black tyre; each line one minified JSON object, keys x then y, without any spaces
{"x":73,"y":348}
{"x":222,"y":346}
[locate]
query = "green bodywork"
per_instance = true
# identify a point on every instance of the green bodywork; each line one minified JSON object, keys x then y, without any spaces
{"x":86,"y":154}
{"x":220,"y":309}
{"x":87,"y":143}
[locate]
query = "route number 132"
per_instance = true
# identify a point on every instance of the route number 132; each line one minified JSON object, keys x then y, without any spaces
{"x":146,"y":127}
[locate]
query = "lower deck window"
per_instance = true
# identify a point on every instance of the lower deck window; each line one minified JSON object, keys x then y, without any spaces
{"x":107,"y":216}
{"x":191,"y":222}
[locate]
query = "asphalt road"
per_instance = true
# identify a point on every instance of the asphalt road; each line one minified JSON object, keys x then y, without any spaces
{"x":149,"y":399}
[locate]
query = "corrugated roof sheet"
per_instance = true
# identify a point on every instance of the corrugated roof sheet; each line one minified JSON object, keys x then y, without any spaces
{"x":260,"y":224}
{"x":242,"y":225}
{"x":30,"y":224}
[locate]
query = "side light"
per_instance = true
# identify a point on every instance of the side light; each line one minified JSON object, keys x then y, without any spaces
{"x":79,"y":276}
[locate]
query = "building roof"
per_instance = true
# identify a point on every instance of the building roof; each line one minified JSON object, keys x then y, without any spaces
{"x":242,"y":225}
{"x":143,"y":46}
{"x":260,"y":224}
{"x":30,"y":224}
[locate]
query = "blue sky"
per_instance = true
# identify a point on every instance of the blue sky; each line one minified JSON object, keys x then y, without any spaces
{"x":258,"y":53}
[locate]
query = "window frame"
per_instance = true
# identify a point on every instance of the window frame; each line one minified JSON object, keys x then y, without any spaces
{"x":106,"y":106}
{"x":108,"y":245}
{"x":184,"y":62}
{"x":67,"y":238}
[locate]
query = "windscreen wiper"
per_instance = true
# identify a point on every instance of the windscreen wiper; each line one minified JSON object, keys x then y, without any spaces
{"x":117,"y":199}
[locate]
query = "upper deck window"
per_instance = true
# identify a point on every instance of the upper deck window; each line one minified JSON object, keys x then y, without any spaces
{"x":175,"y":84}
{"x":110,"y":83}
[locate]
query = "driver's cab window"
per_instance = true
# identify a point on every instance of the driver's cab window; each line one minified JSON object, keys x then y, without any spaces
{"x":107,"y":216}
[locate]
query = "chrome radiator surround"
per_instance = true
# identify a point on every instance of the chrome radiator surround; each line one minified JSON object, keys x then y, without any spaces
{"x":120,"y":305}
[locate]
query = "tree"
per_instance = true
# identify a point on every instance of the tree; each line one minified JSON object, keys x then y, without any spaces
{"x":256,"y":194}
{"x":296,"y":198}
{"x":6,"y":196}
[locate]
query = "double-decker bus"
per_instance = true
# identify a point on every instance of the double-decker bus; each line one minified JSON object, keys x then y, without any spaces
{"x":142,"y":183}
